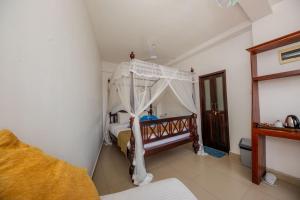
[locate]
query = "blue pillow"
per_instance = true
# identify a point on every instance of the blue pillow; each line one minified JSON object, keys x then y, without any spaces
{"x":148,"y":118}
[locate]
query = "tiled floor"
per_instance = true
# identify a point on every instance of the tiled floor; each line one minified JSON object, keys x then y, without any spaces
{"x":207,"y":177}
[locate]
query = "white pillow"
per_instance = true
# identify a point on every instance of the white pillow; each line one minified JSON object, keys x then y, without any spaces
{"x":123,"y":118}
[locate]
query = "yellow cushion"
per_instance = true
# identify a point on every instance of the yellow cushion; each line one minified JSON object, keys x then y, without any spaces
{"x":26,"y":173}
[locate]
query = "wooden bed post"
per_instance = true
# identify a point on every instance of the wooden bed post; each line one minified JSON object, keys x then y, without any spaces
{"x":151,"y":110}
{"x":193,"y":123}
{"x":132,"y":140}
{"x":132,"y":55}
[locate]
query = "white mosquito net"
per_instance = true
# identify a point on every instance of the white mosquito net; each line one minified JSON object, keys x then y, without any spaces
{"x":139,"y":84}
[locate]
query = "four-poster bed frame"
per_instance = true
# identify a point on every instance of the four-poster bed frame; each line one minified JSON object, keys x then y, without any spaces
{"x":160,"y":129}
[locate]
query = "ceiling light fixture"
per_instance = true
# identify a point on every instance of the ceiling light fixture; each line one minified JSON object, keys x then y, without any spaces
{"x":227,"y":3}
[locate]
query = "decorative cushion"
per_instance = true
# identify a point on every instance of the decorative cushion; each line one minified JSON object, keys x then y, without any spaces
{"x":26,"y":173}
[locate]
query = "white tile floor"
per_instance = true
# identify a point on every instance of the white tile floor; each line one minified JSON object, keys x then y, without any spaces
{"x":207,"y":177}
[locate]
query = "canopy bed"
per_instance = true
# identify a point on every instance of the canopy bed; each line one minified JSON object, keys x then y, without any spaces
{"x":138,"y":85}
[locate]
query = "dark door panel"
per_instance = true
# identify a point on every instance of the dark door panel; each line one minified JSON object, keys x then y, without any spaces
{"x":214,"y":111}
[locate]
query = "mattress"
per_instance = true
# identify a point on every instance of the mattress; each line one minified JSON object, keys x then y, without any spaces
{"x":167,"y":140}
{"x":116,"y":128}
{"x":168,"y":189}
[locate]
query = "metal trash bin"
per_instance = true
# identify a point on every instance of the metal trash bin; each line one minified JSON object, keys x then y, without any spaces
{"x":246,"y":152}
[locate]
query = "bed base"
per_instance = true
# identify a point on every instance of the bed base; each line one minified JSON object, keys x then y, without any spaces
{"x":161,"y":129}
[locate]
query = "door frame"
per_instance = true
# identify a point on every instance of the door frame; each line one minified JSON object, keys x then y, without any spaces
{"x":202,"y":101}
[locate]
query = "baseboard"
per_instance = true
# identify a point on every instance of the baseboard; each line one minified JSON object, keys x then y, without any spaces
{"x":285,"y":177}
{"x":95,"y":165}
{"x":282,"y":176}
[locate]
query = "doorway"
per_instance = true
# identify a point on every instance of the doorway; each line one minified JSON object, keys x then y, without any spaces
{"x":214,"y":110}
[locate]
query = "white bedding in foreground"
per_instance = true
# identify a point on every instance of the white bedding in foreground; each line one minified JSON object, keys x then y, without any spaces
{"x":116,"y":128}
{"x":168,"y":189}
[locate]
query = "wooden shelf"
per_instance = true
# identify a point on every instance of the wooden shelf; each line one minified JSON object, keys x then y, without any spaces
{"x":279,"y":42}
{"x":288,"y":133}
{"x":259,"y":133}
{"x":277,"y":75}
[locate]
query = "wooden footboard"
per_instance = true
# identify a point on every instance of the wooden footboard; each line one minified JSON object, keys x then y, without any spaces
{"x":157,"y":130}
{"x":161,"y":129}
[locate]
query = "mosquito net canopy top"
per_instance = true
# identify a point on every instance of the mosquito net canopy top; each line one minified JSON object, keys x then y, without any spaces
{"x":150,"y":71}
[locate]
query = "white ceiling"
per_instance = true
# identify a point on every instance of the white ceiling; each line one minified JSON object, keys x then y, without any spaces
{"x":273,"y":2}
{"x":251,"y":8}
{"x":175,"y":26}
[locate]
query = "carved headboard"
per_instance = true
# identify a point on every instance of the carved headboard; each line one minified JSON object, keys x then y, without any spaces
{"x":113,"y":117}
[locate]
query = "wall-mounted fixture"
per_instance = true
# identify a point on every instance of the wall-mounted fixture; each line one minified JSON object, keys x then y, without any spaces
{"x":290,"y":54}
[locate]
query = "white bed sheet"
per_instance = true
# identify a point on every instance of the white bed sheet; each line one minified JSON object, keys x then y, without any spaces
{"x":168,"y":189}
{"x":167,"y":140}
{"x":116,"y":128}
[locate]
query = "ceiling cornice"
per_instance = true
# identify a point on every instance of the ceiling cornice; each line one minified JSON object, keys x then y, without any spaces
{"x":220,"y":38}
{"x":256,"y":9}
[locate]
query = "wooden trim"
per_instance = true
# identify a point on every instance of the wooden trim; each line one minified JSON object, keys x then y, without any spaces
{"x":255,"y":94}
{"x":226,"y":109}
{"x":277,"y":75}
{"x":258,"y":157}
{"x":211,"y":74}
{"x":278,"y":42}
{"x":288,"y":134}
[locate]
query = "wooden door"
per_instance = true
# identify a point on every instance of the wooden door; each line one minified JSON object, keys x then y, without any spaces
{"x":214,"y":111}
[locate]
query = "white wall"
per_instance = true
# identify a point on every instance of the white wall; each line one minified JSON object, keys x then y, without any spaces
{"x":108,"y":68}
{"x":168,"y":105}
{"x":231,"y":56}
{"x":283,"y":20}
{"x":280,"y":97}
{"x":50,"y":78}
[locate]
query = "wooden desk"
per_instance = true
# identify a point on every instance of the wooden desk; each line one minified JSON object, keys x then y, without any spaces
{"x":259,"y":133}
{"x":259,"y":147}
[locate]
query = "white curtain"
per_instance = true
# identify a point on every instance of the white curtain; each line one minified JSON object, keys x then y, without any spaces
{"x":142,"y":101}
{"x":157,"y":78}
{"x":123,"y":89}
{"x":183,"y":90}
{"x":106,"y":95}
